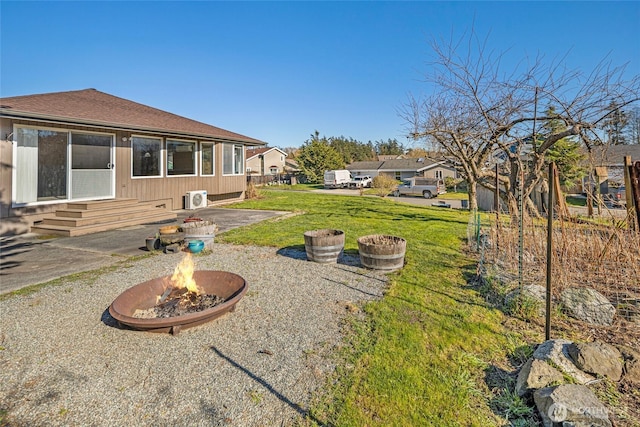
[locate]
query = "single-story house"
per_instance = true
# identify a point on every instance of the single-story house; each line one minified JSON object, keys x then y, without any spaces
{"x":265,"y":161}
{"x":404,"y":168}
{"x":65,"y":147}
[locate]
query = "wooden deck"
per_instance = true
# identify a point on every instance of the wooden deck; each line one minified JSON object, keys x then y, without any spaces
{"x":81,"y":218}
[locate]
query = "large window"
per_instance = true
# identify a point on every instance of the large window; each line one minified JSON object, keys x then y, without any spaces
{"x":232,"y":159}
{"x":181,"y":157}
{"x":146,"y":154}
{"x":207,"y":159}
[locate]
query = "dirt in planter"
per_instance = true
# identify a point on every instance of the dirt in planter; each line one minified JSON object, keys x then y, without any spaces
{"x":380,"y":239}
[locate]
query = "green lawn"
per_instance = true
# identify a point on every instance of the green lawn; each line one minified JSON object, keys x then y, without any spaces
{"x":421,"y":355}
{"x":457,"y":195}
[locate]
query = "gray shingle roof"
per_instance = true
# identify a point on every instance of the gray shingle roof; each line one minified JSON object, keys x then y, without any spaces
{"x":395,"y":165}
{"x":92,"y":107}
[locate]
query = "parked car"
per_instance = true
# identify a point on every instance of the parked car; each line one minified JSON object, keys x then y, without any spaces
{"x":619,"y":197}
{"x":425,"y":187}
{"x":361,"y":181}
{"x":337,"y":178}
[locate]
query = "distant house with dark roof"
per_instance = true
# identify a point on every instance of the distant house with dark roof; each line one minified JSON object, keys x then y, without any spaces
{"x":608,"y":165}
{"x":86,"y":145}
{"x":404,"y":168}
{"x":265,"y":161}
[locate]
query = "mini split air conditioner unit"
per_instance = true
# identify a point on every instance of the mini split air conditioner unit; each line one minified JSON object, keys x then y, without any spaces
{"x":195,"y":199}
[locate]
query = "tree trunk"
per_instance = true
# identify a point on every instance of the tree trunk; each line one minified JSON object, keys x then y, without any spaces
{"x":473,"y":194}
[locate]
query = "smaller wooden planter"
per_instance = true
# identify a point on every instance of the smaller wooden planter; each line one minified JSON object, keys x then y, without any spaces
{"x":324,"y":246}
{"x":382,"y":252}
{"x":200,"y":230}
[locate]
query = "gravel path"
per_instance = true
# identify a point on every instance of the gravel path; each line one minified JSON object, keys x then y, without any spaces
{"x":62,"y":361}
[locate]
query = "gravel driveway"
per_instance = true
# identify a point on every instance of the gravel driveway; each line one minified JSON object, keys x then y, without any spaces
{"x":63,"y":361}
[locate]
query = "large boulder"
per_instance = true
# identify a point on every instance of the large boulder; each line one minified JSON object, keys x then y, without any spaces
{"x":597,"y":358}
{"x":570,"y":405}
{"x":536,"y":374}
{"x":536,"y":293}
{"x":588,"y":305}
{"x":557,"y":352}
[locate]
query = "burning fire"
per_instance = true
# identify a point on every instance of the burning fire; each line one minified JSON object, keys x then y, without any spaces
{"x":183,"y":276}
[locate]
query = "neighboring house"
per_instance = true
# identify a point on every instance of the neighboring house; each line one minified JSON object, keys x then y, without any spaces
{"x":87,"y":145}
{"x":404,"y":168}
{"x":291,"y":167}
{"x":606,"y":166}
{"x":265,"y":161}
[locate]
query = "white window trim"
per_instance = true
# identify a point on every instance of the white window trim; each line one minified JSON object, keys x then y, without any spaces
{"x":213,"y":160}
{"x":162,"y":156}
{"x":195,"y":157}
{"x":244,"y":160}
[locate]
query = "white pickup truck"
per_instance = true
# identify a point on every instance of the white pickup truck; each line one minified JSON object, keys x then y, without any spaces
{"x":360,"y":181}
{"x":425,"y":187}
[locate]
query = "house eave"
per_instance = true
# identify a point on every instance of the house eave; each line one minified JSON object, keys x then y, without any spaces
{"x":60,"y":120}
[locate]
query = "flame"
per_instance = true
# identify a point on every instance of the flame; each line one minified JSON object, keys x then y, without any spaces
{"x":183,"y":275}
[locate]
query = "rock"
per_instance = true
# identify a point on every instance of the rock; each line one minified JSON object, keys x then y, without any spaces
{"x":570,"y":405}
{"x":557,"y":352}
{"x":588,"y":305}
{"x":536,"y":374}
{"x":536,"y":293}
{"x":597,"y":358}
{"x":631,"y":365}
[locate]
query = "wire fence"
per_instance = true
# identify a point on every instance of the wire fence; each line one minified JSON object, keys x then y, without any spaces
{"x":601,"y":256}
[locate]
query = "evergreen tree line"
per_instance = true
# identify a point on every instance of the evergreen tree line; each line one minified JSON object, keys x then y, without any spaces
{"x":319,"y":154}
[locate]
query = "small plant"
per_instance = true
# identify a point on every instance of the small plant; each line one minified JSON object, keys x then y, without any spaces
{"x":524,"y":307}
{"x":513,"y":407}
{"x":256,"y":396}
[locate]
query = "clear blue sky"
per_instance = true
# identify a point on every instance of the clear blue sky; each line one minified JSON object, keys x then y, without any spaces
{"x":277,"y":71}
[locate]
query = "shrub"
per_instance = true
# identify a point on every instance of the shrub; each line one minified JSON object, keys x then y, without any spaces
{"x":383,"y":184}
{"x":252,"y":192}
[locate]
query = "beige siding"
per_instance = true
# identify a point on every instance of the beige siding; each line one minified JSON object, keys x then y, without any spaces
{"x":445,"y":171}
{"x":168,"y":191}
{"x":271,"y":158}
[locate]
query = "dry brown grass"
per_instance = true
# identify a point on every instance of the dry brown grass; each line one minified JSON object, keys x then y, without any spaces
{"x":252,"y":192}
{"x":604,"y":256}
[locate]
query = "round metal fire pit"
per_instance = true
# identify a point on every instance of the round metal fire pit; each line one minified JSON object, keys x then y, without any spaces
{"x":226,"y":285}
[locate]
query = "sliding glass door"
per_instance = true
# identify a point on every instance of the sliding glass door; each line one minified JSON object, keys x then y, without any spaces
{"x":56,"y":165}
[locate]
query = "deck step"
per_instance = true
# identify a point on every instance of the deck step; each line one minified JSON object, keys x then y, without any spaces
{"x":80,"y":218}
{"x":83,"y":213}
{"x":62,"y":230}
{"x":102,"y":204}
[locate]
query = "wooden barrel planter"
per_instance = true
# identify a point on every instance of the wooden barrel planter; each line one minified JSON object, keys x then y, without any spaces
{"x":324,"y":246}
{"x":200,"y":230}
{"x":381,"y":252}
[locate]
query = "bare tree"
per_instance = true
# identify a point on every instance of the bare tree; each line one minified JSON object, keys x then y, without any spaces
{"x":479,"y":114}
